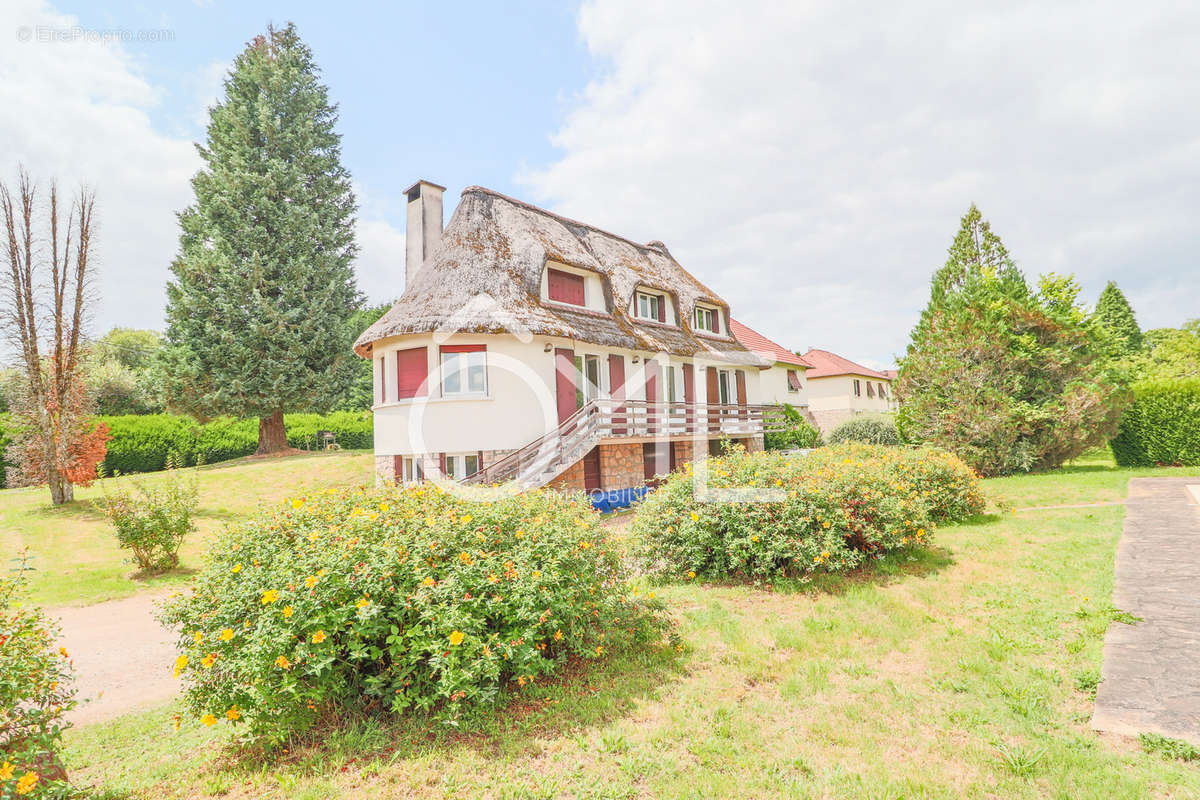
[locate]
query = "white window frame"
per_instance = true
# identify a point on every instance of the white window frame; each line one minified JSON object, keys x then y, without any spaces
{"x":670,"y":385}
{"x":652,"y":302}
{"x":413,"y":470}
{"x":457,"y":468}
{"x":707,"y":315}
{"x":463,"y":373}
{"x":724,"y":378}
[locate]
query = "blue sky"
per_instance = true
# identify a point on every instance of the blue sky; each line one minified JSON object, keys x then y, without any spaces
{"x":809,"y":161}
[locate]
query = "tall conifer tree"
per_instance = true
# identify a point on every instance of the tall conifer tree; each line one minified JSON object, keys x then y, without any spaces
{"x":1114,"y":313}
{"x":259,"y":309}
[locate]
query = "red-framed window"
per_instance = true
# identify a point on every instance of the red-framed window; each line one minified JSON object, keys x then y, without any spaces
{"x":412,"y":368}
{"x":464,"y":369}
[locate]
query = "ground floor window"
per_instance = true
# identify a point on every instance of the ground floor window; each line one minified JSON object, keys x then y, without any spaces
{"x":414,"y":470}
{"x":461,"y":466}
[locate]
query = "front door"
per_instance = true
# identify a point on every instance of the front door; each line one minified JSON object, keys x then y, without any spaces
{"x":591,"y":471}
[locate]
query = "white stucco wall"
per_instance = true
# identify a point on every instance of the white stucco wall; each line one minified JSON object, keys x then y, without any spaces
{"x":774,"y":386}
{"x":520,"y":404}
{"x":836,"y":393}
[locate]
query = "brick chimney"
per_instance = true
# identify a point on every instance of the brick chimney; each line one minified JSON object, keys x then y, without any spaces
{"x":424,"y":226}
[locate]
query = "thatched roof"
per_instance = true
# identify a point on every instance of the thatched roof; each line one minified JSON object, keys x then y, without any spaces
{"x":485,"y":277}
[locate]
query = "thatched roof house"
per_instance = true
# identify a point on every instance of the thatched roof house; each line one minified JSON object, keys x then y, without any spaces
{"x":484,"y":272}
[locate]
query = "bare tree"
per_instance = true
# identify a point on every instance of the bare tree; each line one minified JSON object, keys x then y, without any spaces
{"x":55,"y":440}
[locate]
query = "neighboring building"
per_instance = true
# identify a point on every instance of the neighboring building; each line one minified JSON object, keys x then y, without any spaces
{"x":839,"y":388}
{"x":783,"y":380}
{"x":533,"y":347}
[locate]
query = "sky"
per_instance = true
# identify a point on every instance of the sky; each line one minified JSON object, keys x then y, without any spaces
{"x":807,"y":161}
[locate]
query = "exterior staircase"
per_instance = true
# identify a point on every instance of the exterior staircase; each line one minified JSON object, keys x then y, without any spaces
{"x":548,"y":456}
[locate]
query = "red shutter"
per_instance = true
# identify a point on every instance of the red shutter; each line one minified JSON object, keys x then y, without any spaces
{"x":398,"y":469}
{"x":565,"y":287}
{"x":651,"y":395}
{"x":662,"y":308}
{"x":464,"y":348}
{"x":382,"y":379}
{"x":616,"y":388}
{"x":689,"y":394}
{"x":442,"y":464}
{"x":716,"y":321}
{"x":712,"y":398}
{"x":793,"y":380}
{"x":412,"y":369}
{"x":564,"y":380}
{"x":741,"y":391}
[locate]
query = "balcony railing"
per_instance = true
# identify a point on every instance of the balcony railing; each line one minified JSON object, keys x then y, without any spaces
{"x":542,"y":459}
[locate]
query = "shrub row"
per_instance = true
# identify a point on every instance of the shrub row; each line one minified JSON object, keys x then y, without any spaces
{"x":1162,"y":426}
{"x":827,"y":511}
{"x":399,"y":599}
{"x":142,"y":443}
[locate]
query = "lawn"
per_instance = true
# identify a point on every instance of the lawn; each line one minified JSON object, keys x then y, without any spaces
{"x":73,"y":552}
{"x":966,"y":672}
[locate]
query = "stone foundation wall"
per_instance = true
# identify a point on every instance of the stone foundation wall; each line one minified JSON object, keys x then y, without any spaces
{"x":622,"y":466}
{"x":571,"y":480}
{"x":684,"y":452}
{"x":384,"y":469}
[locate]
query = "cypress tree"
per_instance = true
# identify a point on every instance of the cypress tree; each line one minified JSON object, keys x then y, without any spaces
{"x":259,"y":309}
{"x":1115,"y":315}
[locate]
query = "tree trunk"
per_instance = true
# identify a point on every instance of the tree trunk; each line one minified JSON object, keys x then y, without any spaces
{"x":61,"y":490}
{"x":272,"y":438}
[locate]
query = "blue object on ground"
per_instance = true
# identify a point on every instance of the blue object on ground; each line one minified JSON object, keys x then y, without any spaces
{"x":616,"y":499}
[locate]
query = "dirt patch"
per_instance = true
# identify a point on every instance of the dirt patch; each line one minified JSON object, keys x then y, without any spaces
{"x":122,"y":656}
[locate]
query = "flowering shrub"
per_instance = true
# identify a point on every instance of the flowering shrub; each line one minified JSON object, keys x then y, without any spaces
{"x":398,"y":599}
{"x":826,"y":511}
{"x":35,"y":693}
{"x":152,"y":521}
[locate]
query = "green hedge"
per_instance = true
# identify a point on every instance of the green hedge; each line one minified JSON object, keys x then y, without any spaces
{"x":142,"y":443}
{"x":866,"y":429}
{"x":1162,"y":426}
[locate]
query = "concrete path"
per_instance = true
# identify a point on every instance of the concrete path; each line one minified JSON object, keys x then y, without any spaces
{"x":1150,"y":679}
{"x":123,"y":656}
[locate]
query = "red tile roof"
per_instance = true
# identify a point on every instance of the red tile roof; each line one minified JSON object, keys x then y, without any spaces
{"x":826,"y":364}
{"x":755,"y":342}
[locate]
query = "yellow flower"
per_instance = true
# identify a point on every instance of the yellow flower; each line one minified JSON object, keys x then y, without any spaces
{"x":226,"y":634}
{"x":283,"y":663}
{"x":754,"y":538}
{"x":209,"y":720}
{"x":233,"y":714}
{"x":464,"y":557}
{"x":537,"y":573}
{"x":269,"y":596}
{"x":558,"y":635}
{"x":6,"y":771}
{"x":825,"y":524}
{"x":695,"y":517}
{"x":287,"y":612}
{"x":519,"y":533}
{"x":466,"y":519}
{"x":824,"y":554}
{"x":920,"y":531}
{"x":456,"y":638}
{"x":384,"y":507}
{"x":198,"y":637}
{"x":180,"y":663}
{"x":362,"y":602}
{"x":297,"y":502}
{"x":62,"y":651}
{"x":209,"y":660}
{"x":319,"y":637}
{"x":27,"y":782}
{"x":599,"y":650}
{"x":429,"y":582}
{"x":236,"y":568}
{"x":312,"y":537}
{"x":584,"y":545}
{"x":310,"y":581}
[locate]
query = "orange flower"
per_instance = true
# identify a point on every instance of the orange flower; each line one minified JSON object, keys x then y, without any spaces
{"x":6,"y":771}
{"x":209,"y":720}
{"x":310,"y":581}
{"x":287,"y":612}
{"x":27,"y":782}
{"x":233,"y":714}
{"x":209,"y":660}
{"x":283,"y":663}
{"x":319,"y":637}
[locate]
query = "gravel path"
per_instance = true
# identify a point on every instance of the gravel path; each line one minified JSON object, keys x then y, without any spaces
{"x":1150,"y":678}
{"x":122,"y":656}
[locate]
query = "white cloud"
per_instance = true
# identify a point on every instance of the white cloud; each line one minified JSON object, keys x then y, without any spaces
{"x":811,"y":162}
{"x":79,"y":111}
{"x":380,"y":263}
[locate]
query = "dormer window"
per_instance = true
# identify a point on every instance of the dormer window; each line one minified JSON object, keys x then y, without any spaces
{"x":708,"y":319}
{"x":565,"y":287}
{"x":651,"y":306}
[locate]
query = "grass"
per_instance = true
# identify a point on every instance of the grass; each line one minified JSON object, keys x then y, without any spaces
{"x":1091,"y":478}
{"x":967,"y":671}
{"x":73,"y":551}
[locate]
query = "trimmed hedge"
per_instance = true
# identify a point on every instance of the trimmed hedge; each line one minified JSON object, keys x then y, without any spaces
{"x":143,"y":443}
{"x":1162,"y":426}
{"x":833,"y":509}
{"x":866,"y":429}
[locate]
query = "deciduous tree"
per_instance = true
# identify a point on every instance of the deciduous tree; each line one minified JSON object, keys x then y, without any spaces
{"x":45,"y":294}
